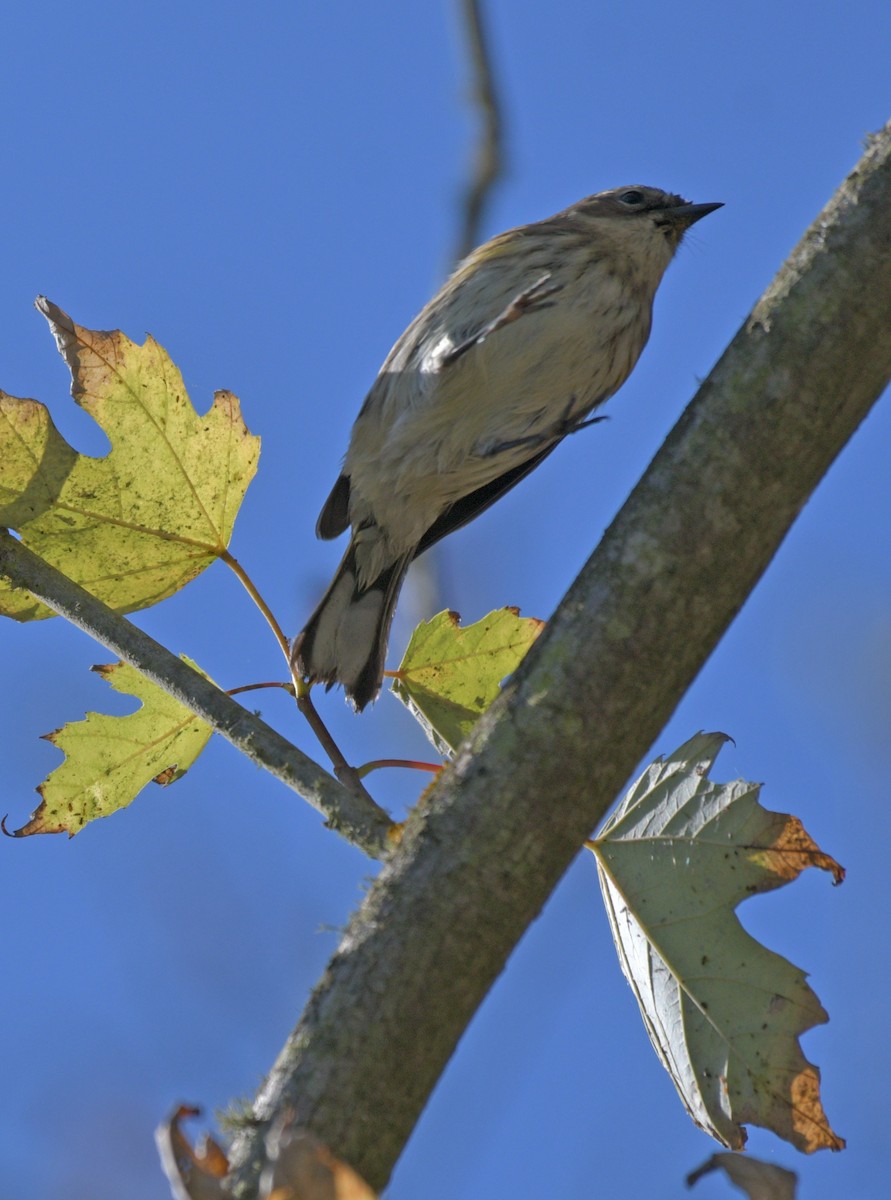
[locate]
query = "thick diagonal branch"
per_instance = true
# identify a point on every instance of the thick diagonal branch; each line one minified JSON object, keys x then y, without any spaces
{"x":482,"y":854}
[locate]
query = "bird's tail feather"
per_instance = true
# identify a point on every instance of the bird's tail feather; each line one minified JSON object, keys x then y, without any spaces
{"x":345,"y":640}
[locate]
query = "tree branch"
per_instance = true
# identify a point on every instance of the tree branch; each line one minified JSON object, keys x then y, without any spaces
{"x":486,"y":168}
{"x":482,"y":853}
{"x":359,"y":820}
{"x":488,"y":162}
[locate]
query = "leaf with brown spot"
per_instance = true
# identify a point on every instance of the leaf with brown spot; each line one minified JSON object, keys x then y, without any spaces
{"x":450,"y":675}
{"x":138,"y":524}
{"x":724,"y":1014}
{"x":109,"y":760}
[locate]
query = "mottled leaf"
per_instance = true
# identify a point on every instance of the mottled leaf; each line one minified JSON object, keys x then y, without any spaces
{"x":723,"y":1013}
{"x":450,"y":675}
{"x":109,"y":760}
{"x":136,"y":525}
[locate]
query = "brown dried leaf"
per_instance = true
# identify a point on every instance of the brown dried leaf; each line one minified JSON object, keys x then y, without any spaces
{"x":302,"y":1168}
{"x":758,"y":1179}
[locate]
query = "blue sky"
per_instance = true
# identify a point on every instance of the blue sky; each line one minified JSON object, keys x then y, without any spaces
{"x":271,"y":191}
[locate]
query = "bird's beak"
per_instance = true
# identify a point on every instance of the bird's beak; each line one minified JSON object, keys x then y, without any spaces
{"x":689,"y":214}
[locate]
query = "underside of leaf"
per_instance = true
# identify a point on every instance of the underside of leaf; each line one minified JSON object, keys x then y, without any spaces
{"x":723,"y":1012}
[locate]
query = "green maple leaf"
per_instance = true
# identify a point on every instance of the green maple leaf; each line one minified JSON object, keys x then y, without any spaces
{"x":109,"y":760}
{"x":450,"y":675}
{"x":137,"y":525}
{"x":724,"y":1013}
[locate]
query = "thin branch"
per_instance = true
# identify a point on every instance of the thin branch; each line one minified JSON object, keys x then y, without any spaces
{"x":487,"y":167}
{"x":487,"y":844}
{"x":347,"y":775}
{"x":488,"y":159}
{"x":359,"y":820}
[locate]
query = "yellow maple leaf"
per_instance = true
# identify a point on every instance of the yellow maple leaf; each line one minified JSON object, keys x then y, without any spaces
{"x":138,"y":524}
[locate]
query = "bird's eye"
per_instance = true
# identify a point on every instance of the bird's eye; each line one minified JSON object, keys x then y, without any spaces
{"x":632,"y":197}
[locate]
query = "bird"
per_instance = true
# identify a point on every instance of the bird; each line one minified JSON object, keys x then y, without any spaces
{"x":530,"y":335}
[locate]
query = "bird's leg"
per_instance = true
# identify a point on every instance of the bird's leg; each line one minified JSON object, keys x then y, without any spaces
{"x":530,"y":300}
{"x":566,"y":424}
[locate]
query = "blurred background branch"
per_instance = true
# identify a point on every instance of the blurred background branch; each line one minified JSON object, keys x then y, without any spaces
{"x":487,"y":164}
{"x":486,"y":169}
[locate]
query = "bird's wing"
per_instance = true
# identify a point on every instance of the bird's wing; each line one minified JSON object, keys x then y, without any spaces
{"x":471,"y":505}
{"x":335,"y":514}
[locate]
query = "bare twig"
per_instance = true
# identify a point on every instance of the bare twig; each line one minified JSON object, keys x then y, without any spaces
{"x":358,"y":819}
{"x":486,"y":169}
{"x":347,"y":775}
{"x":488,"y":159}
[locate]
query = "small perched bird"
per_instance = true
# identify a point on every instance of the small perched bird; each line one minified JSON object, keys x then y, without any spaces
{"x":531,"y":333}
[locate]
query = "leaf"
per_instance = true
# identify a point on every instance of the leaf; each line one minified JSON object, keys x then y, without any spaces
{"x":298,"y":1166}
{"x":302,"y":1168}
{"x":723,"y":1013}
{"x":759,"y":1180}
{"x":109,"y":760}
{"x":450,"y":675}
{"x":137,"y":525}
{"x":194,"y":1173}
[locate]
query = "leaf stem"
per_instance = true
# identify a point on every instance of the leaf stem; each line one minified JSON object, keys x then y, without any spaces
{"x":409,"y":763}
{"x":250,"y":587}
{"x":253,"y":687}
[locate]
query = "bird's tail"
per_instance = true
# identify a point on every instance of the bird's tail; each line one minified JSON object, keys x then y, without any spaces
{"x":345,"y":640}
